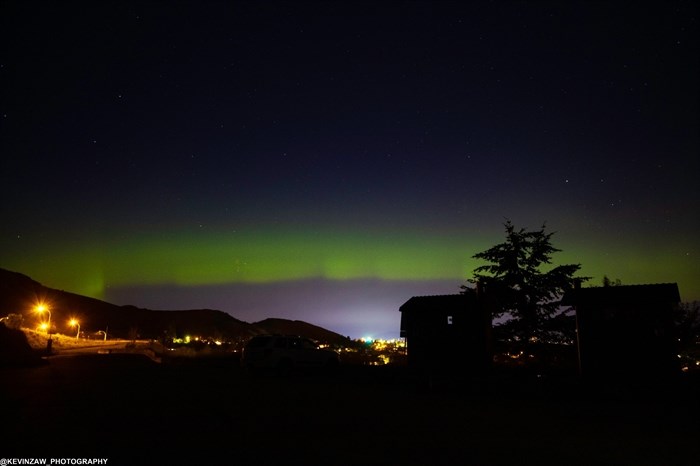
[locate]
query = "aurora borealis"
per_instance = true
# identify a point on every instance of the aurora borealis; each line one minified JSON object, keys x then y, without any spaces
{"x":327,"y":161}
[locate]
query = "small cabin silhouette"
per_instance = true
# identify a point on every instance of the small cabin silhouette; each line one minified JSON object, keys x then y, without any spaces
{"x":625,"y":331}
{"x":447,"y":333}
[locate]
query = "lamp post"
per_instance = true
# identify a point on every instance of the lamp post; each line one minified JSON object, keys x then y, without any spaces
{"x":73,"y":323}
{"x":40,"y":309}
{"x":104,"y":333}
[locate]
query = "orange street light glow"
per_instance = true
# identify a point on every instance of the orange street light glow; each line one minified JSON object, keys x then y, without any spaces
{"x":73,"y":323}
{"x":41,"y":308}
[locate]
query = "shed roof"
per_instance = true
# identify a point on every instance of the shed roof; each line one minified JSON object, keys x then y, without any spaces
{"x":438,"y":301}
{"x":623,"y":294}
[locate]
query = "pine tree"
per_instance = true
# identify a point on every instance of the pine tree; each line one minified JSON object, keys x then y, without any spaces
{"x":521,"y":288}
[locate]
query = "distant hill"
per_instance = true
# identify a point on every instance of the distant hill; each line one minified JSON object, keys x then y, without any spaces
{"x":19,"y":294}
{"x":298,"y":327}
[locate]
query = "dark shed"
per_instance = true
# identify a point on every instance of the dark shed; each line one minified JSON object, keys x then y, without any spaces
{"x":449,"y":333}
{"x":626,"y":330}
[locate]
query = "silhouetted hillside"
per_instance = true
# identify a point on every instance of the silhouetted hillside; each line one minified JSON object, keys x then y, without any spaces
{"x":17,"y":291}
{"x":20,"y":294}
{"x":298,"y":327}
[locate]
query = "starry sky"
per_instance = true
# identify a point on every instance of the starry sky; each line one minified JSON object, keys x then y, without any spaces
{"x":326,"y":161}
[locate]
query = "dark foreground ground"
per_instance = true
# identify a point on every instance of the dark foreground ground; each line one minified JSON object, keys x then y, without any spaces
{"x":134,"y":411}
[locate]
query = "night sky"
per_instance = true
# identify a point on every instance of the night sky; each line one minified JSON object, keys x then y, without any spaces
{"x":327,"y":161}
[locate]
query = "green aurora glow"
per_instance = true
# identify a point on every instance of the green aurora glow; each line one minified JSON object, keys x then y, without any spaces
{"x":195,"y":259}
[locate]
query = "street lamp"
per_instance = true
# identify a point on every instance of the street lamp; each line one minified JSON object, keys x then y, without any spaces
{"x":103,"y":332}
{"x":73,"y":323}
{"x":40,"y":309}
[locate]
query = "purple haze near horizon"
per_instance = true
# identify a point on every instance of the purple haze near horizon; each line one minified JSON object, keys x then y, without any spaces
{"x":355,"y":308}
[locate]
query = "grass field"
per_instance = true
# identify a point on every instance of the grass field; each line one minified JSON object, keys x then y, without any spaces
{"x":37,"y":340}
{"x":134,"y":411}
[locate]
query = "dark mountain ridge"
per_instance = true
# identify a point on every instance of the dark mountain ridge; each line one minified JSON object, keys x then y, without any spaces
{"x":19,"y":294}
